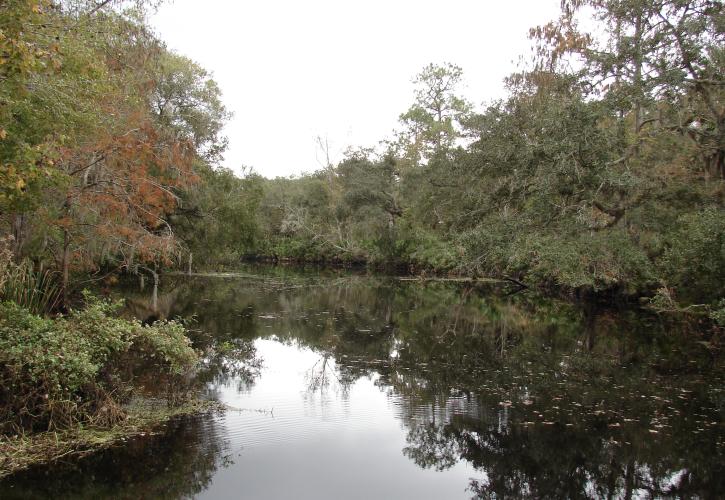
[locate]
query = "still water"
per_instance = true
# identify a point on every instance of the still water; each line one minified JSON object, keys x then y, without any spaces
{"x":349,"y":386}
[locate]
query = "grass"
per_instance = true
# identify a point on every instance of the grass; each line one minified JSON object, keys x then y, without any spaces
{"x":145,"y":416}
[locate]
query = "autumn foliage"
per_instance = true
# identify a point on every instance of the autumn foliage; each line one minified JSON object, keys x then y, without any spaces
{"x":101,"y":129}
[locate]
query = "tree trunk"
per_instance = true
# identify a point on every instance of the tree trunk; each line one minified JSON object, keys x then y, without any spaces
{"x":18,"y":235}
{"x":155,"y":293}
{"x":638,"y":118}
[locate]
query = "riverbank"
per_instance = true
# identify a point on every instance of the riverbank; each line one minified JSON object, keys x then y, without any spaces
{"x":147,"y":417}
{"x":654,"y":296}
{"x":77,"y":383}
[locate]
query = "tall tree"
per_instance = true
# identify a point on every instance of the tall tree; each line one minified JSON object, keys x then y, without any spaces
{"x":662,"y":60}
{"x":433,"y":124}
{"x":109,"y":124}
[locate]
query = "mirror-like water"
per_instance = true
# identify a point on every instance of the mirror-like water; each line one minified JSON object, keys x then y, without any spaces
{"x":348,"y":386}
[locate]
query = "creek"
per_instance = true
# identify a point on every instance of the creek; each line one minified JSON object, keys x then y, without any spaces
{"x":342,"y":385}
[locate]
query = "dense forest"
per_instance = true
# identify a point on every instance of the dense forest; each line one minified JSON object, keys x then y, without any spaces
{"x":603,"y":170}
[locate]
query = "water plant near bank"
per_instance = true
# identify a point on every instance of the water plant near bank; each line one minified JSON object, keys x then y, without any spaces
{"x":81,"y":370}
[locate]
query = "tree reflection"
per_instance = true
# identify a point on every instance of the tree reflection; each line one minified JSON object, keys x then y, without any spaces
{"x":554,"y":462}
{"x":323,"y":373}
{"x":179,"y":463}
{"x":544,"y":398}
{"x":572,"y":409}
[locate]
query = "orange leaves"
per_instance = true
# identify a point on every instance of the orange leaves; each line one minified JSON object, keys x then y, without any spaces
{"x":555,"y":40}
{"x":65,"y":222}
{"x":124,"y":188}
{"x":90,"y":156}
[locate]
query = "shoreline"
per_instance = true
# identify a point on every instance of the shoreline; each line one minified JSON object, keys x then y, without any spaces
{"x":19,"y":453}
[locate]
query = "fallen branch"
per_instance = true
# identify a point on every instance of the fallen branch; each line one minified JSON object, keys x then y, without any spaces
{"x":515,"y":281}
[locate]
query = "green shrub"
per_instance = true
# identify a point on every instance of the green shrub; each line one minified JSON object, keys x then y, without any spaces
{"x":38,"y":291}
{"x":423,"y":249}
{"x":489,"y":246}
{"x":718,"y":313}
{"x":593,"y":260}
{"x":694,"y":262}
{"x":597,"y":261}
{"x":56,"y":372}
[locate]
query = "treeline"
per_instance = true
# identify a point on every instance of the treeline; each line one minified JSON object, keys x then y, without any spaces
{"x":102,"y":130}
{"x":604,"y":169}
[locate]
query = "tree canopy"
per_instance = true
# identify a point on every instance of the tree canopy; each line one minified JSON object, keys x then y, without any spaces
{"x":601,"y":171}
{"x":102,"y":130}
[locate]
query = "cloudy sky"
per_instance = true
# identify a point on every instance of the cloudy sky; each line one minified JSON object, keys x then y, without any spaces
{"x":294,"y":70}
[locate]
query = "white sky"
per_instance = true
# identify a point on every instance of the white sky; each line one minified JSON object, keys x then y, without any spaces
{"x":293,"y":70}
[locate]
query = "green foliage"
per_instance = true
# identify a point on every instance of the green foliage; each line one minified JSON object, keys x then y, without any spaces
{"x":695,"y":257}
{"x":609,"y":178}
{"x":219,"y":220}
{"x":597,"y":262}
{"x":102,"y":131}
{"x":424,"y":250}
{"x":36,"y":291}
{"x":550,"y":192}
{"x":55,"y":372}
{"x":188,"y":101}
{"x":433,"y":124}
{"x":718,"y":314}
{"x":167,"y":344}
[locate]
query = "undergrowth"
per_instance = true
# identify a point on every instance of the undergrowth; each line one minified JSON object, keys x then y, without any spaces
{"x":81,"y":368}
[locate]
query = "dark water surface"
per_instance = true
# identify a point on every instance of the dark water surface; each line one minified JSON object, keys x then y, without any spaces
{"x":361,"y":387}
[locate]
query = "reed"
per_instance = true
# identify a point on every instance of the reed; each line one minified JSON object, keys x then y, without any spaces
{"x":38,"y":291}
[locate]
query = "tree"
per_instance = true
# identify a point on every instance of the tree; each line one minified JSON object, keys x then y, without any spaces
{"x":187,"y":100}
{"x":663,"y":60}
{"x":434,"y":122}
{"x":217,"y":219}
{"x":26,"y":154}
{"x":102,"y":131}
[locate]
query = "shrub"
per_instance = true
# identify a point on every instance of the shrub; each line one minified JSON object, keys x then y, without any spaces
{"x":57,"y":372}
{"x":37,"y":291}
{"x":599,"y":261}
{"x":425,"y":250}
{"x":693,"y":261}
{"x":718,"y":313}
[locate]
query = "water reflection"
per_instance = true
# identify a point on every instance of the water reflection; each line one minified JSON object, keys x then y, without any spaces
{"x":371,"y":387}
{"x":179,"y":463}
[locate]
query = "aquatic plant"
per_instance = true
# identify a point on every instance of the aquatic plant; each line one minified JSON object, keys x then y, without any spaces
{"x":36,"y":290}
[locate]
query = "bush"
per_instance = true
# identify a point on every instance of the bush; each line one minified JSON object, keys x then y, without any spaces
{"x":718,"y":313}
{"x":38,"y":291}
{"x":694,"y":260}
{"x":599,"y":261}
{"x":79,"y":368}
{"x":591,"y":260}
{"x":423,"y":249}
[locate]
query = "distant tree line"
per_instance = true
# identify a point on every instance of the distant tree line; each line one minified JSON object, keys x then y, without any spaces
{"x":603,"y":170}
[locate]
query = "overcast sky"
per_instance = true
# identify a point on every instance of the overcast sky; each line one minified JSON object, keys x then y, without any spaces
{"x":294,"y":70}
